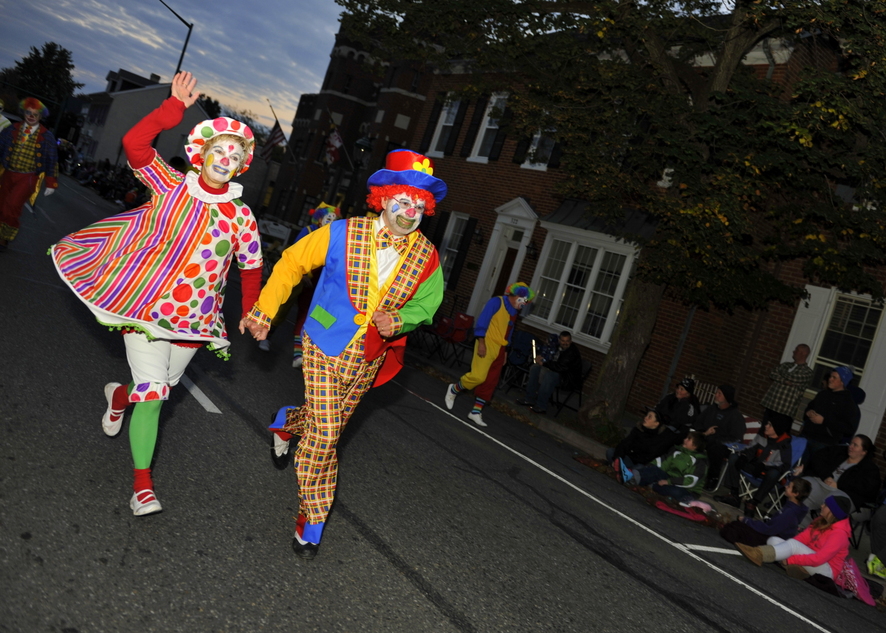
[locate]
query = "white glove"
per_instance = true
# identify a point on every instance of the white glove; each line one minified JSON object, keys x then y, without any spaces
{"x":48,"y":191}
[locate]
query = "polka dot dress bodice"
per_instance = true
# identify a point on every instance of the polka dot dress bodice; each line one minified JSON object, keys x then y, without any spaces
{"x":194,"y":304}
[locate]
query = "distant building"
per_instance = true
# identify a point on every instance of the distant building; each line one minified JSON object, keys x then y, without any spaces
{"x":127,"y":99}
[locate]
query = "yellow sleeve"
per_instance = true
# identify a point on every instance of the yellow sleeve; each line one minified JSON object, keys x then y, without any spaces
{"x":296,"y":261}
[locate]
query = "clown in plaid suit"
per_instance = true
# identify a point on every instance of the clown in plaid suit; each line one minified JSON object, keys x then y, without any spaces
{"x":27,"y":157}
{"x":381,"y":279}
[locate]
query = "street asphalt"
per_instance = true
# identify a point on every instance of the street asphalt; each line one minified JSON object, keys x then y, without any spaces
{"x":438,"y":525}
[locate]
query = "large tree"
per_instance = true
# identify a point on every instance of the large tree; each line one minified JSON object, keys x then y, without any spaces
{"x":46,"y":73}
{"x":656,"y":111}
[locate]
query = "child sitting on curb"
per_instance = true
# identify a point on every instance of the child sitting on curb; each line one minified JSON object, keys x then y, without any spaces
{"x":679,"y":474}
{"x":785,"y":524}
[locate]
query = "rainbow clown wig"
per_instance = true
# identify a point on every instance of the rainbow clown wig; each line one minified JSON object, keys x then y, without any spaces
{"x":519,"y":289}
{"x":34,"y":104}
{"x":406,"y":172}
{"x":324,"y":214}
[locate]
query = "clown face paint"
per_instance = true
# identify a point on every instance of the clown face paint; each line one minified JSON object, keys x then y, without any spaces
{"x":32,"y":117}
{"x":327,"y":219}
{"x":223,"y":160}
{"x":402,"y":214}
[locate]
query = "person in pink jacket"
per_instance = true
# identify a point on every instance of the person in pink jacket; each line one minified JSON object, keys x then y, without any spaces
{"x":819,"y":549}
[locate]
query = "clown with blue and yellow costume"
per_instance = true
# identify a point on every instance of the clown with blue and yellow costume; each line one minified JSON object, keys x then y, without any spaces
{"x":492,"y":332}
{"x":381,"y":279}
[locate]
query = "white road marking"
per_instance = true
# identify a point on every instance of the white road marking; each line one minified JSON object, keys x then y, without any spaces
{"x":201,"y":397}
{"x":714,"y":550}
{"x":683,"y":548}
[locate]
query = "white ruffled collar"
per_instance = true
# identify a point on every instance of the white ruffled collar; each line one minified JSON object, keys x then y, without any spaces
{"x":192,"y":181}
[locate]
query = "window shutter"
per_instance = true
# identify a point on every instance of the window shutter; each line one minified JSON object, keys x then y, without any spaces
{"x":456,"y":128}
{"x":463,"y":247}
{"x":432,"y":126}
{"x":522,"y":149}
{"x":476,"y":120}
{"x":439,"y":229}
{"x":556,"y":152}
{"x":495,"y":150}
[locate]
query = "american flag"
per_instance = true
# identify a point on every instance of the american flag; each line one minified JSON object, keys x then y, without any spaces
{"x":274,"y":138}
{"x":333,"y":142}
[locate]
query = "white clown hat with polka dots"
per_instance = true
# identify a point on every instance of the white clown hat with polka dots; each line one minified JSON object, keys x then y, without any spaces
{"x":206,"y":130}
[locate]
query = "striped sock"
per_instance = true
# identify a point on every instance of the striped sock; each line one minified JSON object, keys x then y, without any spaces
{"x":456,"y":388}
{"x":479,"y":403}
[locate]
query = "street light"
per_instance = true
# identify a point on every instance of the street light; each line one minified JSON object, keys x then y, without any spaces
{"x":190,"y":26}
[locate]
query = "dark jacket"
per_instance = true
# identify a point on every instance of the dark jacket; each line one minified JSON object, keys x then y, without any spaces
{"x":679,"y":414}
{"x":785,"y":524}
{"x":762,"y":449}
{"x":642,"y":445}
{"x":730,"y":424}
{"x":861,"y":482}
{"x":841,"y":416}
{"x":568,"y":365}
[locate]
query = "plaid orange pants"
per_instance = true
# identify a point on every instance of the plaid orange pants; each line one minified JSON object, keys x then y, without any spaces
{"x":334,"y":386}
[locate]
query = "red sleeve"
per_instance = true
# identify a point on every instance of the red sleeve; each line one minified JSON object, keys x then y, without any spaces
{"x":137,"y":142}
{"x":250,"y":287}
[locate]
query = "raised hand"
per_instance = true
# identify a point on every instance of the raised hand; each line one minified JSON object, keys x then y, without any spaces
{"x":183,"y":85}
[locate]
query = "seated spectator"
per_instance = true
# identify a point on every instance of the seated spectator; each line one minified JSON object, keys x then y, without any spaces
{"x":721,"y":423}
{"x":680,"y":409}
{"x":645,"y":442}
{"x":784,"y":525}
{"x":832,"y":414}
{"x":679,"y":474}
{"x":847,"y":471}
{"x":767,"y":458}
{"x":819,"y":549}
{"x":558,"y":365}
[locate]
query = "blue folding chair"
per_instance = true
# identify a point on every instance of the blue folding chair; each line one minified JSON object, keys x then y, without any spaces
{"x":748,"y":484}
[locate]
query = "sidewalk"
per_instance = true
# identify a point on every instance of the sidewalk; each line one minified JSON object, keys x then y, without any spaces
{"x":507,"y":404}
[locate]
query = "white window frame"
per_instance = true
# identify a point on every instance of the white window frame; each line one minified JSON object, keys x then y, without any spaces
{"x":590,"y":239}
{"x":528,"y":164}
{"x":488,"y":123}
{"x":450,"y":107}
{"x":810,"y":324}
{"x":448,"y":250}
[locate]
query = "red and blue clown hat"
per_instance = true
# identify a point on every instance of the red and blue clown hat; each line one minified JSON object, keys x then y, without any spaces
{"x":405,"y":167}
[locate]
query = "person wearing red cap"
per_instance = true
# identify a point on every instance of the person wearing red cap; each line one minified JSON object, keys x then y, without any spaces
{"x":27,"y":156}
{"x":381,"y":279}
{"x":158,"y":272}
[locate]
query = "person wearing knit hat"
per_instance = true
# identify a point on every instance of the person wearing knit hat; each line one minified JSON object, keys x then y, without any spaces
{"x":158,"y":272}
{"x":492,"y":330}
{"x":381,"y":279}
{"x":819,"y":549}
{"x":831,"y":417}
{"x":722,"y":423}
{"x":28,"y":156}
{"x":680,"y":409}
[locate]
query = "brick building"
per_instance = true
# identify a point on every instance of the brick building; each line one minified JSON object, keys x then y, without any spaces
{"x":503,"y":221}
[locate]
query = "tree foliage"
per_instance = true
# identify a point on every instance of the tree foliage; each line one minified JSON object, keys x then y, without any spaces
{"x":755,"y":164}
{"x":46,"y":73}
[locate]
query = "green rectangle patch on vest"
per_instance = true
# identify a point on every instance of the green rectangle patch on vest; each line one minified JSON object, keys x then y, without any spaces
{"x":322,"y":317}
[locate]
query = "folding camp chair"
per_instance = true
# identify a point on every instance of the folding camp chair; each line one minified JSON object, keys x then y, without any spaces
{"x":561,"y":396}
{"x":752,"y":427}
{"x":748,"y":484}
{"x":518,"y":361}
{"x":459,"y":340}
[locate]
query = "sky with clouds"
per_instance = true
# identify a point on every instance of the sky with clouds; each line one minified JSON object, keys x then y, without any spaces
{"x":242,"y":53}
